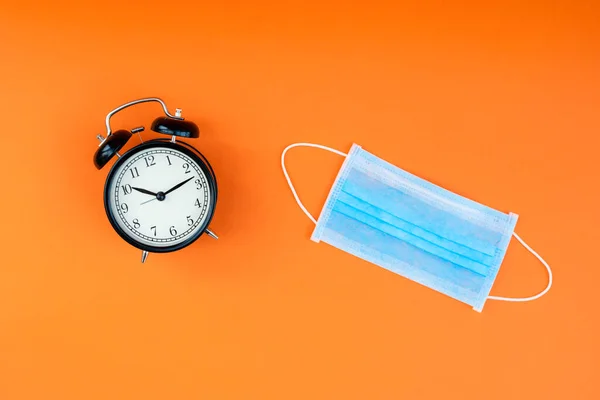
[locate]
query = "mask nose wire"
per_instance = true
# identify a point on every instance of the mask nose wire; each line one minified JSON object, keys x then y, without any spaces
{"x":287,"y":177}
{"x":540,"y":294}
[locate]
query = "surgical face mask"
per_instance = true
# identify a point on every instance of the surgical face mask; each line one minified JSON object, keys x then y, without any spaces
{"x":407,"y":225}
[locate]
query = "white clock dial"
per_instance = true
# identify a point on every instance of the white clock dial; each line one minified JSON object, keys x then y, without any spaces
{"x":159,"y":197}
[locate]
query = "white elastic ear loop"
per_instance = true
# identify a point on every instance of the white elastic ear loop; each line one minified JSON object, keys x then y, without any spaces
{"x":287,"y":177}
{"x":537,"y":296}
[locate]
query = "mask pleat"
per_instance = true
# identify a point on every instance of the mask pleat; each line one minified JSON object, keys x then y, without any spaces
{"x":413,"y":240}
{"x":407,"y":206}
{"x":416,"y":231}
{"x":402,"y":257}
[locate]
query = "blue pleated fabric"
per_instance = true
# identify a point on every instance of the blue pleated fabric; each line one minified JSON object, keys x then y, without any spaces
{"x":398,"y":221}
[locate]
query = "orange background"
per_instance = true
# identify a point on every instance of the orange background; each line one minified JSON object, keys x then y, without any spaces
{"x":499,"y":103}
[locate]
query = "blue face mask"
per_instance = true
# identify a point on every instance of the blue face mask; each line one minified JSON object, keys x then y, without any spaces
{"x":393,"y":219}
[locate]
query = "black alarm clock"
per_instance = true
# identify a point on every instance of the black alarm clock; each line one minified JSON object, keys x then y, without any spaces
{"x":160,"y":195}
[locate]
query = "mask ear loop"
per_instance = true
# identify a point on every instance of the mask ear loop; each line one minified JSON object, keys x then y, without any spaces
{"x":537,"y":296}
{"x":287,"y":177}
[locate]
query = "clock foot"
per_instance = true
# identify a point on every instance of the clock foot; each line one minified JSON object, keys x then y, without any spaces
{"x":144,"y":256}
{"x":211,"y":234}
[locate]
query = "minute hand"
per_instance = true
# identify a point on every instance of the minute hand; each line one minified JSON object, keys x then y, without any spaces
{"x":178,"y":185}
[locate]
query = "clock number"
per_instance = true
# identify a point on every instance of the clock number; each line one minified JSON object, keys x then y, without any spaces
{"x":197,"y":203}
{"x":169,"y":160}
{"x":154,"y":229}
{"x":190,"y":220}
{"x":173,"y":231}
{"x":150,"y":161}
{"x":136,"y":223}
{"x":124,"y":207}
{"x":186,"y":166}
{"x":126,"y":189}
{"x":198,"y":184}
{"x":134,"y":172}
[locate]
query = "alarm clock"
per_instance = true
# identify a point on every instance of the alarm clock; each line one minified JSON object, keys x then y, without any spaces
{"x":160,"y":195}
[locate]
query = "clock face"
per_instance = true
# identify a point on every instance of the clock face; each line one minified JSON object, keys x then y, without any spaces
{"x":159,"y":197}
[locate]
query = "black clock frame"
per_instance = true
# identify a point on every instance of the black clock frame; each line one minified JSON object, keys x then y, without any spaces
{"x":189,"y":151}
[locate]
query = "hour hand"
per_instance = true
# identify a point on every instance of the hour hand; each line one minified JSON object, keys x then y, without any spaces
{"x":144,"y":191}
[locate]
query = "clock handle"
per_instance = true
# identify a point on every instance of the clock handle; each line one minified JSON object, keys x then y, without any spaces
{"x":138,"y":101}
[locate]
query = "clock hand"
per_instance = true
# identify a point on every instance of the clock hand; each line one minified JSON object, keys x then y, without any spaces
{"x":161,"y":195}
{"x":178,"y":185}
{"x":144,"y":191}
{"x":147,"y":201}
